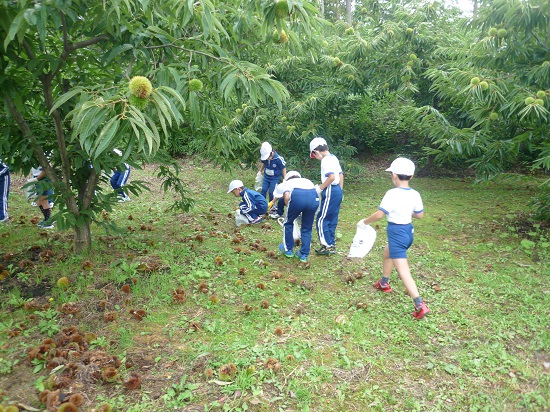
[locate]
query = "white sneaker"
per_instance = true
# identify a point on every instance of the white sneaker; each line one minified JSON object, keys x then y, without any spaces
{"x":5,"y":220}
{"x":34,"y":204}
{"x":274,"y":215}
{"x":52,"y":204}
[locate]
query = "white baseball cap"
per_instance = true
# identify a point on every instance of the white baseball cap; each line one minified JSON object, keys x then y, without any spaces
{"x":401,"y":166}
{"x":234,"y":185}
{"x":265,"y":150}
{"x":315,"y":143}
{"x":292,"y":173}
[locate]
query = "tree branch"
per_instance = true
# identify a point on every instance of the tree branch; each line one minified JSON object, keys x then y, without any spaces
{"x":28,"y":49}
{"x":28,"y":134}
{"x":86,"y":43}
{"x":189,"y":51}
{"x":65,"y":35}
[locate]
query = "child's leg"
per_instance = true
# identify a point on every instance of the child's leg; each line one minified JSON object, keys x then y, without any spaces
{"x":114,"y":180}
{"x":265,"y":187}
{"x":4,"y":194}
{"x":44,"y":206}
{"x":272,"y":185}
{"x":293,"y":212}
{"x":308,"y":215}
{"x":387,"y":263}
{"x":402,"y":267}
{"x":122,"y":180}
{"x":281,"y":207}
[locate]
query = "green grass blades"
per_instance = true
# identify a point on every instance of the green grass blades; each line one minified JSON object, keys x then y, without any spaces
{"x":193,"y":312}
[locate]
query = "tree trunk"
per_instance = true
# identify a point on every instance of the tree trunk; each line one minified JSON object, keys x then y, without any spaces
{"x":82,"y":238}
{"x":322,"y":8}
{"x":348,"y":11}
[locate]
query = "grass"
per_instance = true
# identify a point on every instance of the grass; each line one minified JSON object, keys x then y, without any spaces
{"x":300,"y":338}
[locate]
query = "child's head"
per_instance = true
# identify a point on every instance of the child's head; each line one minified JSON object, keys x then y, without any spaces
{"x":265,"y":151}
{"x":236,"y":187}
{"x":316,"y":146}
{"x":292,"y":175}
{"x":403,"y":168}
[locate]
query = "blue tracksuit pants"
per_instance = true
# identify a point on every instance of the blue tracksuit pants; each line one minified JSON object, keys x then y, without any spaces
{"x":120,"y":179}
{"x":305,"y":202}
{"x":268,"y":186}
{"x":327,"y":219}
{"x":4,"y":194}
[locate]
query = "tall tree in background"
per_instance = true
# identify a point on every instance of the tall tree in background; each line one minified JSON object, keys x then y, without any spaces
{"x":65,"y":71}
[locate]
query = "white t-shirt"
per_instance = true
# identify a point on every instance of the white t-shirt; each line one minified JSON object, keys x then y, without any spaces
{"x":291,"y":184}
{"x":400,"y":203}
{"x":330,"y":165}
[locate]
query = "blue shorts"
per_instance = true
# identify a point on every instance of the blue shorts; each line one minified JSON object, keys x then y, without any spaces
{"x":47,"y":192}
{"x":400,"y":238}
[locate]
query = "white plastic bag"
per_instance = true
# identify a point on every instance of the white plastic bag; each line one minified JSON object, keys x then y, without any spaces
{"x":240,"y":219}
{"x":296,"y":231}
{"x":30,"y":190}
{"x":258,"y":182}
{"x":362,"y":241}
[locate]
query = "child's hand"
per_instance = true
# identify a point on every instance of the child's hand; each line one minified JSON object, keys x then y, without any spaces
{"x":318,"y":189}
{"x":361,"y":224}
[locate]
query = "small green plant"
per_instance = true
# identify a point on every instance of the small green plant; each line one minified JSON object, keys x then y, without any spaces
{"x":100,"y":342}
{"x":178,"y":395}
{"x":48,"y":322}
{"x":6,"y":366}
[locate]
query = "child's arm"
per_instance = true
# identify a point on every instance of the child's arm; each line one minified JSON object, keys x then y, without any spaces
{"x":42,"y":175}
{"x":375,"y":217}
{"x":418,"y":215}
{"x":284,"y":173}
{"x":342,"y":181}
{"x":328,"y":182}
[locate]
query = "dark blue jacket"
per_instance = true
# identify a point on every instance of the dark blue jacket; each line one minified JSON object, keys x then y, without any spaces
{"x":252,"y":202}
{"x":273,"y":169}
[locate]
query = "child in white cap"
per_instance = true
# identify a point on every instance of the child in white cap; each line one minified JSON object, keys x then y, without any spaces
{"x":301,"y":198}
{"x":331,"y":192}
{"x":399,"y":205}
{"x":252,"y":207}
{"x":273,"y":168}
{"x":119,"y":179}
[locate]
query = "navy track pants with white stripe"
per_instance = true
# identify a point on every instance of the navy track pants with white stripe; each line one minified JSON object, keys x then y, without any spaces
{"x":327,"y":219}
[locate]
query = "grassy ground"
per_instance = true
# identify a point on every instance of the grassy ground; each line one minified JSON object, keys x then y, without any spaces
{"x":252,"y":330}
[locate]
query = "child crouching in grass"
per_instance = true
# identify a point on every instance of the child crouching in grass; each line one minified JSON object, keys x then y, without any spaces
{"x":252,"y":207}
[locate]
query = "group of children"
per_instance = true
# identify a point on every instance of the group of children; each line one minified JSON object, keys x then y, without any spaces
{"x":42,"y":191}
{"x":303,"y":198}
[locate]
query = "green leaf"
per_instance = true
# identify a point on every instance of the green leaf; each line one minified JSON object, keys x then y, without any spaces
{"x":116,"y":51}
{"x":174,"y":93}
{"x":17,"y":24}
{"x":228,"y":83}
{"x":63,"y":98}
{"x":106,"y":136}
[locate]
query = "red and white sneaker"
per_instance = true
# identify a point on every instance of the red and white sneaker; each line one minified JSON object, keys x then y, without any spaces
{"x":421,"y":311}
{"x":383,"y":288}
